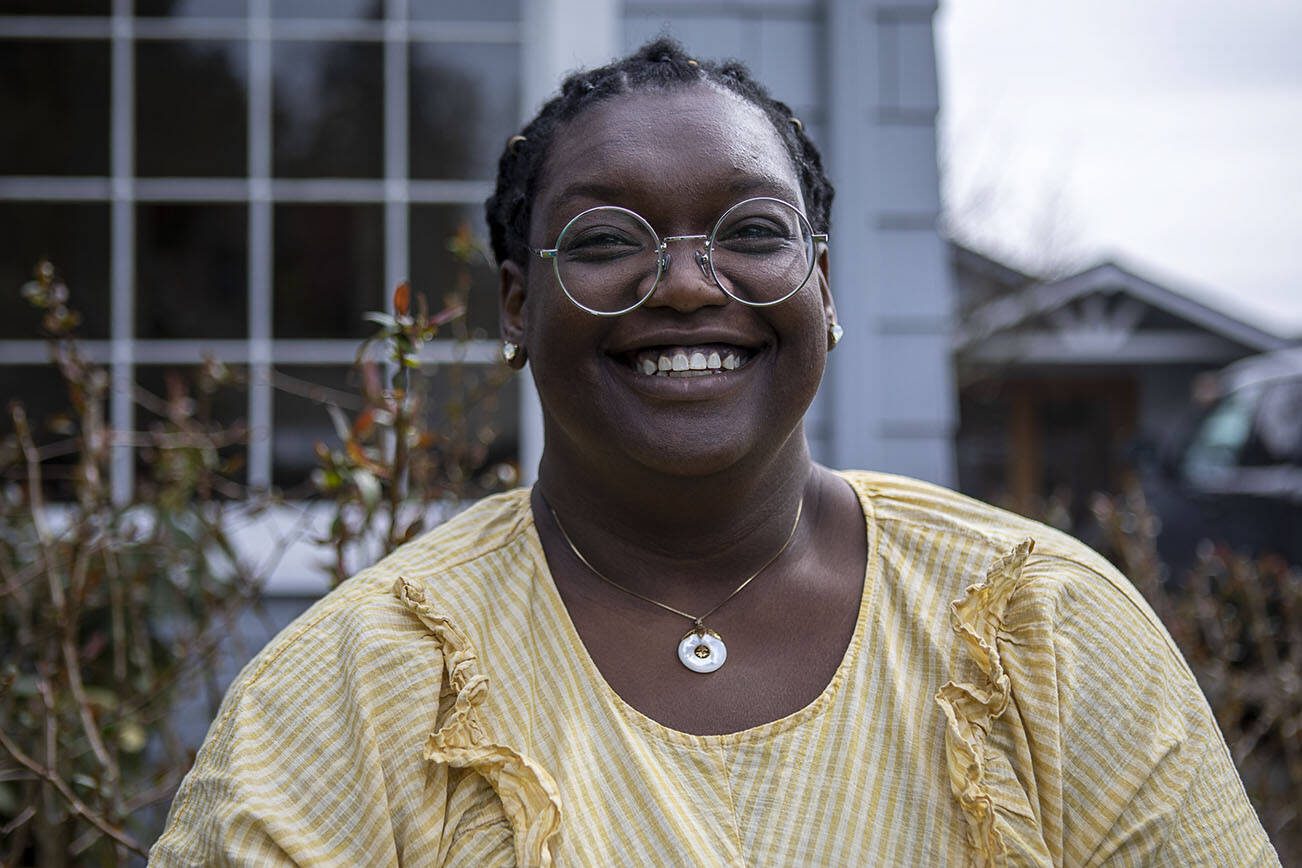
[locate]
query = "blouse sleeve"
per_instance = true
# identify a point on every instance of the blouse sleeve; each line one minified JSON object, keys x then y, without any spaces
{"x":321,"y":753}
{"x":1076,"y":733}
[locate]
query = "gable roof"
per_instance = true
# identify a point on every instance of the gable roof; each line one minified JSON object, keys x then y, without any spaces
{"x":1022,"y":307}
{"x":967,"y":259}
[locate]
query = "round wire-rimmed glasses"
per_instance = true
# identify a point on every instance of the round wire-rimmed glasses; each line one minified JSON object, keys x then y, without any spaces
{"x":609,"y":260}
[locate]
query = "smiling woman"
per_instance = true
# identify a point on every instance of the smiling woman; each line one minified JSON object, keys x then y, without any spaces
{"x":688,"y":642}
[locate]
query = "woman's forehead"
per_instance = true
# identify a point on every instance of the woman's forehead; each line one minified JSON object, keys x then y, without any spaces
{"x":701,"y":138}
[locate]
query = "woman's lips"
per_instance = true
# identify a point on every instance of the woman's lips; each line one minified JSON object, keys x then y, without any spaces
{"x":688,"y":360}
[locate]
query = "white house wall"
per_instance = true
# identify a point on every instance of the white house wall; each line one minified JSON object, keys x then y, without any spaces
{"x":891,"y":392}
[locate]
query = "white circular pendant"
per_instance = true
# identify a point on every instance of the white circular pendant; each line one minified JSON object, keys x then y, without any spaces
{"x":702,"y":650}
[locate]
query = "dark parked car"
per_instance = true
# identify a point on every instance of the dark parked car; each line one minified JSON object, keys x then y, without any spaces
{"x":1235,"y":474}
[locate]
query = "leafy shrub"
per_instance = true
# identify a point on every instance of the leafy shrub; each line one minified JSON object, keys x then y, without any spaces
{"x":111,"y":612}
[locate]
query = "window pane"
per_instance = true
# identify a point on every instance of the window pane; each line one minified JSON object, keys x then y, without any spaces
{"x":55,"y":106}
{"x":465,"y":101}
{"x":44,"y":397}
{"x":300,"y":420}
{"x":329,"y":109}
{"x":75,"y":237}
{"x":369,"y":9}
{"x":215,"y":398}
{"x":459,"y":10}
{"x":191,"y":271}
{"x":329,"y":269}
{"x":191,"y":118}
{"x":437,"y":273}
{"x":55,"y":7}
{"x":192,"y":8}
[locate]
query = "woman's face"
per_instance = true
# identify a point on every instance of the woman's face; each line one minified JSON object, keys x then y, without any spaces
{"x":679,"y":159}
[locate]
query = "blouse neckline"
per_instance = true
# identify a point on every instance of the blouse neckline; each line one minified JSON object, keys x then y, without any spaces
{"x":613,"y":701}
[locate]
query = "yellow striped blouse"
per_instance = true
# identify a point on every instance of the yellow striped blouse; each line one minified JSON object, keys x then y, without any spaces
{"x":1002,"y":702}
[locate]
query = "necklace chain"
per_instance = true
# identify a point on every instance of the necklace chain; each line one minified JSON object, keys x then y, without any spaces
{"x":695,"y":619}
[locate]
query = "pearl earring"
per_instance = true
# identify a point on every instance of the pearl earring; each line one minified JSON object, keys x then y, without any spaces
{"x":835,"y":333}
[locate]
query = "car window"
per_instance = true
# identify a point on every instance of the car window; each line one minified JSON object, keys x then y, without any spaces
{"x":1279,"y":423}
{"x":1221,"y":437}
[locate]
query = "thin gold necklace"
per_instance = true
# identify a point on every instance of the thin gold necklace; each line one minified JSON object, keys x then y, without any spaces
{"x":702,"y":649}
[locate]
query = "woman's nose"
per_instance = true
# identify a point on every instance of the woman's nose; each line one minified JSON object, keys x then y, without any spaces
{"x":684,"y":287}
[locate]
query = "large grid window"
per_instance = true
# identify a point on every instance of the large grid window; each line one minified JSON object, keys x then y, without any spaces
{"x":244,"y":179}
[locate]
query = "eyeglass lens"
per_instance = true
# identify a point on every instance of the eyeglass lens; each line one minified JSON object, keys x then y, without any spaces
{"x":760,"y":252}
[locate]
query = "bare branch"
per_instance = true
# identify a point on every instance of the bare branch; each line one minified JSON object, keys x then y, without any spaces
{"x":78,"y":806}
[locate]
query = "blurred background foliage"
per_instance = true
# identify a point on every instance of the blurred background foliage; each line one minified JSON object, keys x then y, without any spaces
{"x":114,"y":614}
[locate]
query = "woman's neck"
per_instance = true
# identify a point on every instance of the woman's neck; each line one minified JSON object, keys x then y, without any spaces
{"x":658,"y":529}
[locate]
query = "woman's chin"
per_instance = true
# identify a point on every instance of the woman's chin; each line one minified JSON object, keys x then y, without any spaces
{"x":701,"y":453}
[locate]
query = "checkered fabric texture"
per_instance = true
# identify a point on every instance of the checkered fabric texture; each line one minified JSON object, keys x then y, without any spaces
{"x":1002,"y":702}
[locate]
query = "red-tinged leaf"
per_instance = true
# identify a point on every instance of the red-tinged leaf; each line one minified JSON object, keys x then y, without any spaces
{"x":402,"y":299}
{"x":371,"y":383}
{"x":365,"y":422}
{"x":413,"y":529}
{"x":361,"y":459}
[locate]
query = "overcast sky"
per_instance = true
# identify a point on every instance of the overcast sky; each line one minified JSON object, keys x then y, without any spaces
{"x":1166,"y":134}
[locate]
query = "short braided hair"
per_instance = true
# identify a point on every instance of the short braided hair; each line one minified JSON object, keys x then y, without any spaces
{"x":660,"y":65}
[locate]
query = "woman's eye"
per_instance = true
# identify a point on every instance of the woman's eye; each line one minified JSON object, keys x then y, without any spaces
{"x":601,"y":239}
{"x":753,"y":233}
{"x":601,"y":244}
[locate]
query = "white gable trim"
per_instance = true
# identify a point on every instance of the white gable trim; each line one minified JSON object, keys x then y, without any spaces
{"x":1013,"y":310}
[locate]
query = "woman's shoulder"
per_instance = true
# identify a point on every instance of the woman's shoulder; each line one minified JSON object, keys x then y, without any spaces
{"x":979,"y":543}
{"x":370,"y":697}
{"x":969,"y":573}
{"x":459,"y":570}
{"x":931,"y":507}
{"x":1061,"y":674}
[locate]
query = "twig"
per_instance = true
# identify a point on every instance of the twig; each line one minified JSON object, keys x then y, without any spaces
{"x":315,"y":392}
{"x":84,"y":713}
{"x":37,"y":498}
{"x":23,"y":816}
{"x":78,"y":806}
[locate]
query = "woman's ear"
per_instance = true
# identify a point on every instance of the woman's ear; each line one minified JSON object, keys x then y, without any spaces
{"x":834,"y":330}
{"x":510,"y":301}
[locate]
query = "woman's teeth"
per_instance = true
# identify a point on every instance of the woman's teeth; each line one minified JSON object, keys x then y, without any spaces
{"x":688,"y":361}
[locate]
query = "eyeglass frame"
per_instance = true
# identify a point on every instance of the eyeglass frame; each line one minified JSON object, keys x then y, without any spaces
{"x":663,"y":257}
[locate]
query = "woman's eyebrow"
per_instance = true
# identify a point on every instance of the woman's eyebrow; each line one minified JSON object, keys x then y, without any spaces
{"x":759,"y":184}
{"x":589,"y":190}
{"x":598,"y":191}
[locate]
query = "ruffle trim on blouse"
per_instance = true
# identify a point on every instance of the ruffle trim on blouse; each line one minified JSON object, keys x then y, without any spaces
{"x":972,"y":707}
{"x":528,"y":793}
